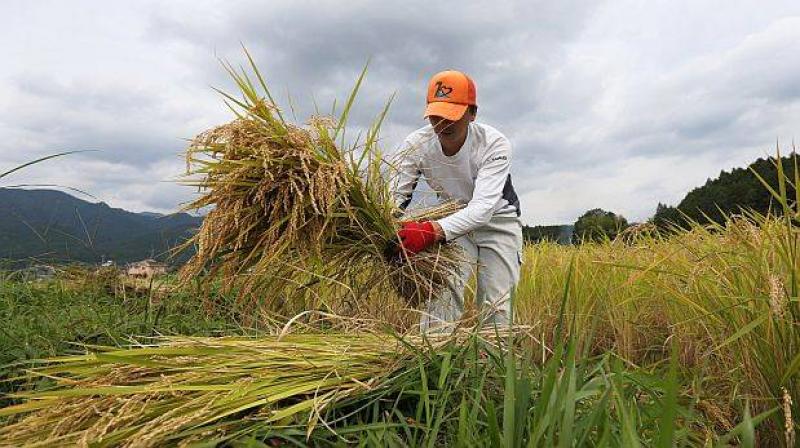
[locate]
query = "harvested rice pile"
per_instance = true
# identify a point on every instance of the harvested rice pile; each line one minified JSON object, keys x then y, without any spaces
{"x":184,"y":390}
{"x":292,"y":207}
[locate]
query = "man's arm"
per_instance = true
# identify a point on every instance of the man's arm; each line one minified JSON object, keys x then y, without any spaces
{"x":407,"y":172}
{"x":492,"y":176}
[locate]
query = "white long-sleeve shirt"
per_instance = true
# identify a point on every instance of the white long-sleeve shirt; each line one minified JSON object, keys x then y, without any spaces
{"x":478,"y":175}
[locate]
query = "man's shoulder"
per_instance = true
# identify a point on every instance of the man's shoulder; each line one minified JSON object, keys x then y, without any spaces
{"x":489,"y":140}
{"x":488,"y":133}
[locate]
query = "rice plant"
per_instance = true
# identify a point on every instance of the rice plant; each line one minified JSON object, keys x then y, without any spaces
{"x":35,"y":161}
{"x":292,"y":207}
{"x":368,"y":388}
{"x":726,"y":294}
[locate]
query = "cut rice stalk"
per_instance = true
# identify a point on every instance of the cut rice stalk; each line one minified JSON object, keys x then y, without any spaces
{"x":179,"y":390}
{"x":150,"y":395}
{"x":284,"y":195}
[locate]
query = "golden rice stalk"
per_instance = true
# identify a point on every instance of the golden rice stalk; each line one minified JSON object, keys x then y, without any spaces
{"x":159,"y":394}
{"x":180,"y":390}
{"x":290,"y":208}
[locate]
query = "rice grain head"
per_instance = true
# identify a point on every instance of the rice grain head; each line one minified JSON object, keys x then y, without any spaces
{"x":789,"y":432}
{"x":777,"y":297}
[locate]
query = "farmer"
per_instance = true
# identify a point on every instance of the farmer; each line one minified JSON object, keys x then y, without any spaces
{"x":468,"y":162}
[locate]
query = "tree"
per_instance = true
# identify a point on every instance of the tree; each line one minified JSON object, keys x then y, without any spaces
{"x":598,"y":224}
{"x":557,"y":234}
{"x":730,"y":193}
{"x":667,"y":217}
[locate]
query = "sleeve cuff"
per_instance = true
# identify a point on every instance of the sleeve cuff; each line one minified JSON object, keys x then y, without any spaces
{"x":449,"y":235}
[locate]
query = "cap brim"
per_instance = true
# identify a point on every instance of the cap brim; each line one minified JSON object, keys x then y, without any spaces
{"x":448,"y":111}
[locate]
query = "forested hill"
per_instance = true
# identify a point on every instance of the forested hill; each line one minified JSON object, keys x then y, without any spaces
{"x":52,"y":225}
{"x":729,"y":193}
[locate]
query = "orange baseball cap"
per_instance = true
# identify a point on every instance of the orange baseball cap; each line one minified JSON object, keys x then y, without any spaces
{"x":449,"y":94}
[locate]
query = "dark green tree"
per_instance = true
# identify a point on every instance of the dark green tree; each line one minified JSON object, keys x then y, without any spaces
{"x":667,"y":217}
{"x":598,"y":224}
{"x":728,"y":194}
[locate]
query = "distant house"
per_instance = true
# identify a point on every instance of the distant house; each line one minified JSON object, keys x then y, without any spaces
{"x":146,"y":268}
{"x":41,"y":272}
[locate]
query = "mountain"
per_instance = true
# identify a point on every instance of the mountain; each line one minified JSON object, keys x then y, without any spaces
{"x":52,"y":225}
{"x":729,"y":193}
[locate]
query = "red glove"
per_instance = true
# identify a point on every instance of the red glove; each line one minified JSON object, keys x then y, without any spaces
{"x":417,"y":236}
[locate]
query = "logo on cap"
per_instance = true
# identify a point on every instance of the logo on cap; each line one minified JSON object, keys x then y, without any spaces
{"x":442,"y":91}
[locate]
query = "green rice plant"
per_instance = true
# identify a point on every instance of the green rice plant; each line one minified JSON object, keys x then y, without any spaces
{"x":466,"y":394}
{"x":40,"y":160}
{"x":294,"y":207}
{"x":33,"y":162}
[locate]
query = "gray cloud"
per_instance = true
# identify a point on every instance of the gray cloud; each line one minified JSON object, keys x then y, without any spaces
{"x":319,"y":48}
{"x":125,"y":124}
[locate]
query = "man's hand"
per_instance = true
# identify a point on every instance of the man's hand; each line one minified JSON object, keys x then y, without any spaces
{"x":418,"y":236}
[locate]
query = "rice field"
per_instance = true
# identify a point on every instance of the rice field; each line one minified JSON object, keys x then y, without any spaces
{"x":725,"y":296}
{"x":694,"y":335}
{"x":294,"y":323}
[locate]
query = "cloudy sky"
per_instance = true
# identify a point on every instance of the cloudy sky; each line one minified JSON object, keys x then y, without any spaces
{"x":618,"y":105}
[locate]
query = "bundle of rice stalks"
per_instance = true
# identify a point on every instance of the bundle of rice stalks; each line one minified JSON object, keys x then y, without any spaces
{"x":293,"y":206}
{"x":181,"y":391}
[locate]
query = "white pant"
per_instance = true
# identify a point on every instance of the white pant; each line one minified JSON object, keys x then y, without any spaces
{"x":495,"y":252}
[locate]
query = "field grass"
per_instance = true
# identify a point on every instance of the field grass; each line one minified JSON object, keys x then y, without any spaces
{"x":40,"y":319}
{"x":466,"y":391}
{"x":699,"y":329}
